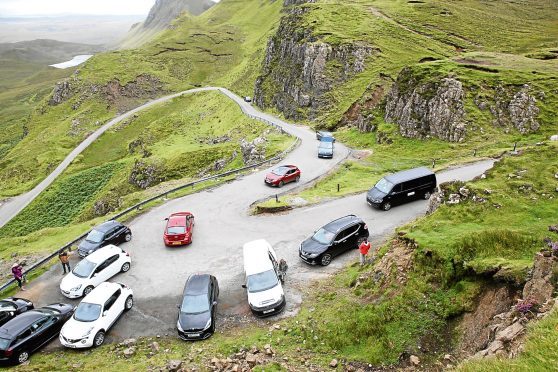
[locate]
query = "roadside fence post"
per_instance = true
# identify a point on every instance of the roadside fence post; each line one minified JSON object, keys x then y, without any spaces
{"x":514,"y":146}
{"x":337,"y":187}
{"x":474,"y":152}
{"x":276,"y":198}
{"x":433,"y":163}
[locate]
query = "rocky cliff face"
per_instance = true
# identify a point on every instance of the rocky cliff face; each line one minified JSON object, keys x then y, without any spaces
{"x":434,"y":108}
{"x":516,"y":107}
{"x":165,"y":11}
{"x":299,"y":69}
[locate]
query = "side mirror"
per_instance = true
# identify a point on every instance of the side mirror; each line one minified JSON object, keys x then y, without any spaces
{"x":178,"y":306}
{"x":244,"y":286}
{"x":166,"y":219}
{"x":214,"y":303}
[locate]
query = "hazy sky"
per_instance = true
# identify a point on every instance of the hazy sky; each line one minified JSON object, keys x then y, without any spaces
{"x":11,"y":8}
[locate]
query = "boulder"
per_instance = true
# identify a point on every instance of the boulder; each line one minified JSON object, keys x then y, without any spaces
{"x":510,"y":333}
{"x":554,"y":137}
{"x":539,"y":287}
{"x":129,"y":342}
{"x":129,"y":352}
{"x":333,"y":363}
{"x":174,"y":365}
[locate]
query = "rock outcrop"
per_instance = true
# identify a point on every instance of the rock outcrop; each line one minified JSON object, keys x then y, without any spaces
{"x":145,"y":174}
{"x":515,"y":107}
{"x":424,"y":109}
{"x":62,"y":91}
{"x":299,"y":69}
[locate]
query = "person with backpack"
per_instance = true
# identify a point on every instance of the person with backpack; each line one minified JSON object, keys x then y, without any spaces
{"x":364,"y":248}
{"x":17,"y":272}
{"x":282,"y":269}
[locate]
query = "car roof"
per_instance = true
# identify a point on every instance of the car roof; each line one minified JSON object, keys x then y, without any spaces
{"x":177,"y":219}
{"x":101,"y":293}
{"x":19,"y":323}
{"x":408,"y":175}
{"x":256,"y":256}
{"x":197,"y":284}
{"x":103,"y":253}
{"x":342,"y":222}
{"x":106,"y":226}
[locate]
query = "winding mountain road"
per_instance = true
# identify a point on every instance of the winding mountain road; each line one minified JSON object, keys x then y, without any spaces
{"x":223,"y":225}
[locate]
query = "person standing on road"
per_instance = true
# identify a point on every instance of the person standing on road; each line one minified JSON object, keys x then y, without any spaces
{"x":283,"y":267}
{"x":364,"y":248}
{"x":64,"y":259}
{"x":17,"y":272}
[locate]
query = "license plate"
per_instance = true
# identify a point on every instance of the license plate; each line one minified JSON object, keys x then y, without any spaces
{"x":268,"y":311}
{"x":176,"y":243}
{"x":194,"y":335}
{"x":71,"y":346}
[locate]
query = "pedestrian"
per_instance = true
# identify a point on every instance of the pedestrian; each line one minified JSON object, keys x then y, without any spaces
{"x":64,"y":259}
{"x":283,"y":267}
{"x":364,"y":248}
{"x":17,"y":272}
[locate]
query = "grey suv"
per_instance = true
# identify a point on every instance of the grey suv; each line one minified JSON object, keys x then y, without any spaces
{"x":336,"y":237}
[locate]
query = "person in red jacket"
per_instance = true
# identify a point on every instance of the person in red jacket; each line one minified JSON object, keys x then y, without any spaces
{"x":364,"y":248}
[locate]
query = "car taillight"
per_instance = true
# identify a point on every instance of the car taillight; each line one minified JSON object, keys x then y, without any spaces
{"x":365,"y":226}
{"x":8,"y":352}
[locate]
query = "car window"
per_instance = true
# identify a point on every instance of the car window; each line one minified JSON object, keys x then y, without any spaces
{"x":323,"y":236}
{"x":23,"y":335}
{"x":396,"y":188}
{"x":38,"y":325}
{"x":112,"y":300}
{"x":7,"y":306}
{"x":384,"y":186}
{"x":95,"y":236}
{"x":195,"y":304}
{"x":87,"y":312}
{"x":351,"y":230}
{"x":261,"y":281}
{"x":177,"y":229}
{"x":84,"y":268}
{"x":113,"y":259}
{"x":281,"y":171}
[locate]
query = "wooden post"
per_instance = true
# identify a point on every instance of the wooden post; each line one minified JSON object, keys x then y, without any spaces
{"x":337,"y":187}
{"x":276,"y":198}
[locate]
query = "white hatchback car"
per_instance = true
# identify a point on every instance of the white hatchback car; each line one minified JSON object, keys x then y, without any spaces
{"x":96,"y":313}
{"x":96,"y":268}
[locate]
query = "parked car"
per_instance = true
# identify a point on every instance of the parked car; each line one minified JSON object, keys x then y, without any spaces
{"x":264,"y":289}
{"x":321,"y":134}
{"x":93,"y":270}
{"x":111,"y":232}
{"x":11,"y":307}
{"x":196,"y":312}
{"x":402,"y":187}
{"x":26,"y":333}
{"x":95,"y":315}
{"x":247,"y":99}
{"x":282,"y":175}
{"x":179,"y":229}
{"x":325,"y":148}
{"x":333,"y":239}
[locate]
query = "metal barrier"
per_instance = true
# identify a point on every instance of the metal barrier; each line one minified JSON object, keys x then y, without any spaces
{"x":162,"y":195}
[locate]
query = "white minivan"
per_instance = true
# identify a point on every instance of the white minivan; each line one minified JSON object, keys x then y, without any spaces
{"x":265,"y":293}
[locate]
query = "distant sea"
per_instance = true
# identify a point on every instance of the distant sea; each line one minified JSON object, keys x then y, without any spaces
{"x":77,"y":60}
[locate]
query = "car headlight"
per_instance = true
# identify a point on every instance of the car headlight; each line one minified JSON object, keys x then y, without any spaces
{"x":179,"y":327}
{"x":75,"y":288}
{"x":208,"y":324}
{"x":90,"y":251}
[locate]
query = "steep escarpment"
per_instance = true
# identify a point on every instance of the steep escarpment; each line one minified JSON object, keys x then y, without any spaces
{"x":300,"y":69}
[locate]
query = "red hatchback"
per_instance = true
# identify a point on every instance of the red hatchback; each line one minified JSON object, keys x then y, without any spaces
{"x":282,"y":175}
{"x":179,"y":229}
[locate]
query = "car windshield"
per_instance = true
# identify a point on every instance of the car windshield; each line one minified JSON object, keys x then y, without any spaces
{"x":4,"y":343}
{"x":323,"y":236}
{"x":262,"y":281}
{"x":84,"y":268}
{"x":6,"y":306}
{"x":87,"y":312}
{"x":384,"y":186}
{"x":176,"y":230}
{"x":95,"y":236}
{"x":281,"y":171}
{"x":48,"y":311}
{"x":195,"y":304}
{"x":326,"y":145}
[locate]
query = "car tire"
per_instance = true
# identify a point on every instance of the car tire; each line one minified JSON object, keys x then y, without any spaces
{"x":88,"y":290}
{"x":22,"y":357}
{"x":128,"y":237}
{"x":297,"y":179}
{"x":386,"y":206}
{"x":427,"y":195}
{"x":99,"y":339}
{"x":325,"y":260}
{"x":281,"y":184}
{"x":125,"y":267}
{"x":129,"y":303}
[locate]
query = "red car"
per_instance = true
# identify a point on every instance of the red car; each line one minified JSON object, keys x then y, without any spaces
{"x":282,"y":175}
{"x":179,"y":229}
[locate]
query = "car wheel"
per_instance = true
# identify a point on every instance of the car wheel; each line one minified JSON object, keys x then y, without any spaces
{"x":128,"y":237}
{"x":326,"y":259}
{"x":125,"y":267}
{"x":281,"y":184}
{"x":427,"y":195}
{"x":129,"y":303}
{"x":386,"y":206}
{"x":22,"y":357}
{"x":99,"y":339}
{"x":297,"y":178}
{"x":87,"y":290}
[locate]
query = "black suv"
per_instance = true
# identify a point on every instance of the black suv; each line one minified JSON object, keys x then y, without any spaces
{"x":29,"y":331}
{"x":11,"y":307}
{"x":336,"y":237}
{"x":111,"y":232}
{"x":196,"y":313}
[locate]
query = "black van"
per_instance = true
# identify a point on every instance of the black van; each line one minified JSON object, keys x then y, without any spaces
{"x":402,"y":187}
